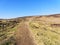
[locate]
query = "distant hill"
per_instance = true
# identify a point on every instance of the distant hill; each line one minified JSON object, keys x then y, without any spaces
{"x":30,"y":30}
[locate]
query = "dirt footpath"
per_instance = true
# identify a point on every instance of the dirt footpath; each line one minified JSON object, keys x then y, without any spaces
{"x":23,"y":36}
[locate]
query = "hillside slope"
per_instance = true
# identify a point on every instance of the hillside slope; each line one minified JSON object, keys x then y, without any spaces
{"x":33,"y":30}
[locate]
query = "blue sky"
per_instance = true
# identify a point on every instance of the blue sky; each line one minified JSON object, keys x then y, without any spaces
{"x":20,"y":8}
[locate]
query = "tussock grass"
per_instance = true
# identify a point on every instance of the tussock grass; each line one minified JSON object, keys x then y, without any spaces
{"x":44,"y":34}
{"x":7,"y":32}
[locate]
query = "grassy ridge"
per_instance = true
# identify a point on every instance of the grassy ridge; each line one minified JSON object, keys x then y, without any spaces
{"x":45,"y":29}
